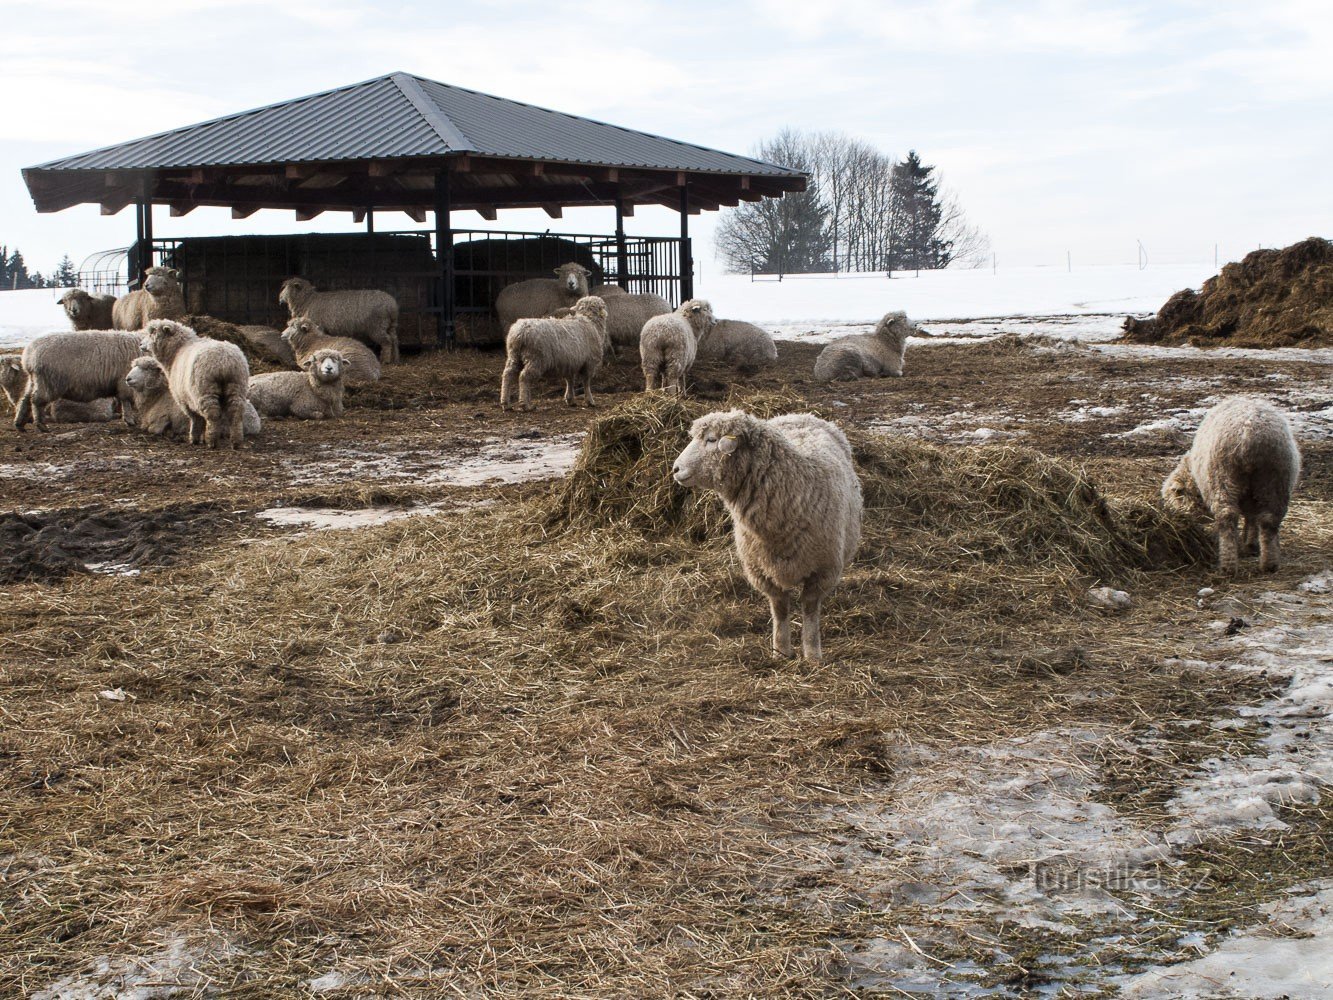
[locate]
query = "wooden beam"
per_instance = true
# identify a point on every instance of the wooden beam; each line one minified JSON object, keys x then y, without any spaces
{"x":681,"y":178}
{"x":628,"y":210}
{"x":178,"y":210}
{"x":417,"y":215}
{"x":463,"y":164}
{"x":358,"y":215}
{"x":299,"y":171}
{"x":486,"y":213}
{"x":244,"y":211}
{"x":110,"y":208}
{"x":538,"y":169}
{"x":195,"y":177}
{"x":306,"y":214}
{"x":554,"y":211}
{"x":379,"y":169}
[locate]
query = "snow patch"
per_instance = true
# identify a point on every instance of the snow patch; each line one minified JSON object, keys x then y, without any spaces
{"x":172,"y":970}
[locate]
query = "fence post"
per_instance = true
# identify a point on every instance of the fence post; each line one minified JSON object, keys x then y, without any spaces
{"x":686,"y":259}
{"x":444,"y":255}
{"x":622,"y":255}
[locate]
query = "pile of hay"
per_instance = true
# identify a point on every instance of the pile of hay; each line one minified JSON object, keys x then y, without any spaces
{"x":1272,"y":298}
{"x":263,"y":346}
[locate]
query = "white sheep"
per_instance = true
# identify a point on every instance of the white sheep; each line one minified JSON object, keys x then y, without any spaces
{"x":541,"y":296}
{"x":161,"y":297}
{"x":157,"y":413}
{"x":208,"y":379}
{"x":626,"y":313}
{"x":872,"y":355}
{"x":315,"y":393}
{"x":13,"y":379}
{"x":569,"y":348}
{"x":80,"y":366}
{"x":305,"y":336}
{"x":795,"y":501}
{"x":364,"y":314}
{"x":669,"y":344}
{"x":735,"y":342}
{"x":1244,"y":461}
{"x":87,"y":311}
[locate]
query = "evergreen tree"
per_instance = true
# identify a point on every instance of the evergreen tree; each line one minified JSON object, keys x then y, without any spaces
{"x":916,"y":213}
{"x":65,"y":276}
{"x":16,"y":275}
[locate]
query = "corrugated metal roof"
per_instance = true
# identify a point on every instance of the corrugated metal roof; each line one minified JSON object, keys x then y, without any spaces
{"x":401,"y":115}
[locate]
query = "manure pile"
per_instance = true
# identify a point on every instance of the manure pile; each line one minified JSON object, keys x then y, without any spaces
{"x":1271,"y":298}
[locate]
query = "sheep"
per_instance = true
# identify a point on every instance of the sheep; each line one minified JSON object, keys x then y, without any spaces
{"x":1244,"y":460}
{"x":208,"y":379}
{"x":669,"y":343}
{"x":81,"y":366}
{"x":795,"y":500}
{"x":541,"y":296}
{"x":570,"y":348}
{"x":626,"y":313}
{"x":60,"y":411}
{"x":87,"y":311}
{"x":157,"y":413}
{"x":360,"y":313}
{"x":735,"y":342}
{"x":312,"y":394}
{"x":305,"y":337}
{"x":873,"y":355}
{"x":160,"y":297}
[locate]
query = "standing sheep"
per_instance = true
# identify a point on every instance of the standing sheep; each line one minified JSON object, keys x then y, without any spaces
{"x":361,"y":313}
{"x":305,"y":337}
{"x":794,"y":498}
{"x":88,"y":312}
{"x":208,"y":379}
{"x":312,"y":394}
{"x":79,"y":366}
{"x":1244,"y":461}
{"x":541,"y":296}
{"x":160,"y":297}
{"x":570,"y":348}
{"x":157,"y":413}
{"x":668,"y":345}
{"x":872,"y":355}
{"x":626,"y":313}
{"x":61,"y":411}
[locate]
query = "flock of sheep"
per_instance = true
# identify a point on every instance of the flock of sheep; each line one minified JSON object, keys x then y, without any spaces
{"x":789,"y":483}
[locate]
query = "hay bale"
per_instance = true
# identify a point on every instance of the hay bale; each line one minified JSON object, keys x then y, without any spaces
{"x":929,"y":504}
{"x":261,"y":355}
{"x":1271,"y":298}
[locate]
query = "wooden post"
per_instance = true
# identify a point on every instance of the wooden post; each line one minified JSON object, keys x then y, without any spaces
{"x":686,"y":257}
{"x":622,"y":256}
{"x":444,"y":253}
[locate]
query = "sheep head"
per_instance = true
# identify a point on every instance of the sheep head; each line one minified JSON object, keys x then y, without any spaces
{"x":1180,"y":492}
{"x":12,"y":377}
{"x":699,"y":314}
{"x":716,"y":456}
{"x":325,"y":366}
{"x":300,"y":329}
{"x":295,"y":292}
{"x":573,"y":279}
{"x":75,"y":301}
{"x":161,"y":281}
{"x":895,"y":326}
{"x":146,"y":375}
{"x":164,"y":337}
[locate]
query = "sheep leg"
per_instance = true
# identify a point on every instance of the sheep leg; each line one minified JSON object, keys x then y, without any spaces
{"x":39,"y":400}
{"x":507,"y":382}
{"x":649,"y":376}
{"x":780,"y":607}
{"x":233,"y":419}
{"x":1249,"y":539}
{"x":1228,"y":525}
{"x":587,"y":387}
{"x":525,"y":388}
{"x":569,"y":391}
{"x":812,"y":600}
{"x":23,"y":412}
{"x":1270,"y":552}
{"x":196,"y":428}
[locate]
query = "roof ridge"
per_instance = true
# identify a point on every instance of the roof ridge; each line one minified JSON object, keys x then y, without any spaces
{"x":449,"y":133}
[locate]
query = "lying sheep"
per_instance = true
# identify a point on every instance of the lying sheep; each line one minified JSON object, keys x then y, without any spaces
{"x":541,"y":296}
{"x":79,"y":366}
{"x":87,"y":311}
{"x":669,"y":343}
{"x":1244,"y":461}
{"x":626,"y":313}
{"x":312,"y":394}
{"x":872,"y":355}
{"x":364,"y":314}
{"x":795,"y":500}
{"x":157,"y":413}
{"x":735,"y":342}
{"x":305,"y":337}
{"x":160,"y":297}
{"x":13,"y":378}
{"x":208,"y":379}
{"x":570,"y":348}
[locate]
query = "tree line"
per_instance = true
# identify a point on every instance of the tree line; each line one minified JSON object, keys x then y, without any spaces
{"x":862,"y":210}
{"x":14,"y":273}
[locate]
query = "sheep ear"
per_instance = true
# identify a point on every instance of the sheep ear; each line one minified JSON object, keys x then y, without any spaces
{"x":728,"y":444}
{"x":175,"y":274}
{"x":308,"y":363}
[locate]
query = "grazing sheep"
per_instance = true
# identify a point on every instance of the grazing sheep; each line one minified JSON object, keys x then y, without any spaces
{"x":541,"y":296}
{"x":1244,"y":461}
{"x":873,"y":355}
{"x":88,"y":312}
{"x":305,"y":337}
{"x":160,"y":297}
{"x":208,"y":379}
{"x":668,"y":345}
{"x":312,"y":394}
{"x":360,"y":313}
{"x":735,"y":342}
{"x":13,"y":378}
{"x":157,"y":413}
{"x":570,"y":348}
{"x":626,"y":313}
{"x":794,"y":498}
{"x":80,"y":366}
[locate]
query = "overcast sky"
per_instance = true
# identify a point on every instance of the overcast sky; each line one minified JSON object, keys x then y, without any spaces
{"x":1061,"y":125}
